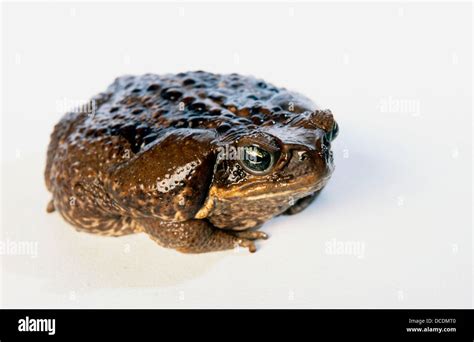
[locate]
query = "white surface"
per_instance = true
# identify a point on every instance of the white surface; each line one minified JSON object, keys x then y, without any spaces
{"x":401,"y":191}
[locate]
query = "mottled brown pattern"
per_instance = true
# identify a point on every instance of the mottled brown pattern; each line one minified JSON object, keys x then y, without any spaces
{"x":148,"y":159}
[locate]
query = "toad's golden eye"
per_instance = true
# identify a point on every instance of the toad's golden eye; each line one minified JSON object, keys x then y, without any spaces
{"x":257,"y":160}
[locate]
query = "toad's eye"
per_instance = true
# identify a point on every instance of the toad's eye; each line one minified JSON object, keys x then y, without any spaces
{"x":257,"y":160}
{"x":332,"y":134}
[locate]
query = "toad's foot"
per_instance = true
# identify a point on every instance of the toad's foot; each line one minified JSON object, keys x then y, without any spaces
{"x":246,"y":238}
{"x":198,"y":236}
{"x":50,"y":208}
{"x":250,"y":235}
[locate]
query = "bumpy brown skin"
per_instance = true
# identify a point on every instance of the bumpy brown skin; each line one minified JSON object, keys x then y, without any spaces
{"x":148,"y":159}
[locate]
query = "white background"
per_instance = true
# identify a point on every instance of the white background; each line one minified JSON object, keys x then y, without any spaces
{"x":401,"y":191}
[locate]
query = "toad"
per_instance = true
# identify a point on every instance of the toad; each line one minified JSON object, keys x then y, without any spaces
{"x":198,"y":161}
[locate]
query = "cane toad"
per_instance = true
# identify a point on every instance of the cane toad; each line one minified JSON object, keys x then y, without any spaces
{"x":196,"y":160}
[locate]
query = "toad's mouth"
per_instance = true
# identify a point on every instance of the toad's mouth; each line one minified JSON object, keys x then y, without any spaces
{"x":258,"y":191}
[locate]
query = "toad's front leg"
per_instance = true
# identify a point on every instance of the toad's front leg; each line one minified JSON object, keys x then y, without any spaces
{"x":197,"y":236}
